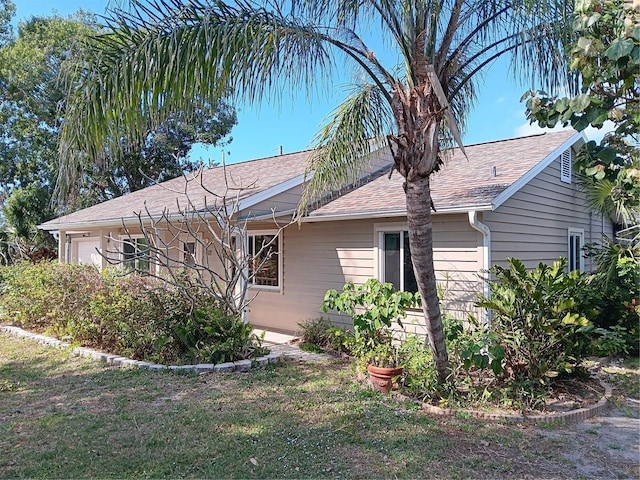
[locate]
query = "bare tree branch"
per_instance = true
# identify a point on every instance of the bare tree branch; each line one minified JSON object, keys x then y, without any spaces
{"x":200,"y":250}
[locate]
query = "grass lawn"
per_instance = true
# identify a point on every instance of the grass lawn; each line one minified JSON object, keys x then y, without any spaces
{"x":62,"y":416}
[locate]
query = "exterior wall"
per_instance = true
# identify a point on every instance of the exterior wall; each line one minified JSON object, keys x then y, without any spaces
{"x":316,"y":257}
{"x":324,"y":255}
{"x":533,"y":224}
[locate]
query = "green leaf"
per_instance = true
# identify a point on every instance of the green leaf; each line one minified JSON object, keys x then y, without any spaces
{"x":619,"y":48}
{"x":561,"y":105}
{"x":580,"y":103}
{"x":593,"y":19}
{"x":582,"y":6}
{"x":607,"y":155}
{"x":585,"y":44}
{"x":496,"y":367}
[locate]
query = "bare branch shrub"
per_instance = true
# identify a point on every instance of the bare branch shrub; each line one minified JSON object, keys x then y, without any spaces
{"x":171,"y":241}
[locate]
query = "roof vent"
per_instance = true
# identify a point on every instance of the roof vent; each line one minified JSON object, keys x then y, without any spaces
{"x":565,"y":166}
{"x":494,"y":171}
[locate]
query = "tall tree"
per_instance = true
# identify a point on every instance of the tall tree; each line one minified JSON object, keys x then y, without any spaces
{"x":37,"y":69}
{"x":605,"y":55}
{"x":161,"y":54}
{"x":7,"y":11}
{"x":31,"y":98}
{"x":162,"y":156}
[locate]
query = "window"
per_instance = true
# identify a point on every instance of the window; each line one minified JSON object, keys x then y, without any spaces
{"x":576,"y":242}
{"x":397,"y":267}
{"x":135,"y":254}
{"x":189,"y":253}
{"x":565,"y":166}
{"x":264,"y":264}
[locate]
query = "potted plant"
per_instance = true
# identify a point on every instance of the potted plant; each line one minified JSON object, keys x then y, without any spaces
{"x":374,"y":308}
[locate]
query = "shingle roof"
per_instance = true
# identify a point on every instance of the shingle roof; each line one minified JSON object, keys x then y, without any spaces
{"x":244,"y":180}
{"x":460,"y":183}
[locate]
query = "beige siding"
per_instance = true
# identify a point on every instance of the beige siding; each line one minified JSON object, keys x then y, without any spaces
{"x":533,"y":224}
{"x":324,"y":255}
{"x":317,"y":257}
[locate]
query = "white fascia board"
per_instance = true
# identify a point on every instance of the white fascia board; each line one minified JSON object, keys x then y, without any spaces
{"x":82,"y":225}
{"x":272,"y":191}
{"x":393,"y":213}
{"x":116,"y":222}
{"x":577,"y":139}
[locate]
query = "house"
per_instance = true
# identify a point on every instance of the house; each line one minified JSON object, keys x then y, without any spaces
{"x":510,"y":198}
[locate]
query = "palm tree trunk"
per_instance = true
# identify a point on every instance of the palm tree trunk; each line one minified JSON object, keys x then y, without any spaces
{"x":418,"y":193}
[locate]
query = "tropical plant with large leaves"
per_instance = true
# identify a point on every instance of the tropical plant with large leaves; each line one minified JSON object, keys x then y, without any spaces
{"x":413,"y":94}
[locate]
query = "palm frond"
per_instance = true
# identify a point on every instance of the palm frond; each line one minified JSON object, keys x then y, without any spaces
{"x":530,"y":33}
{"x":343,"y":146}
{"x":158,"y":57}
{"x":598,"y":195}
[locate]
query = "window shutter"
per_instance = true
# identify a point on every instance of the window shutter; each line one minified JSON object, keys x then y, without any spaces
{"x":565,"y":166}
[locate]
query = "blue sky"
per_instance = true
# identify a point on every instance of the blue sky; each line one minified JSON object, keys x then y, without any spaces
{"x":261,"y":131}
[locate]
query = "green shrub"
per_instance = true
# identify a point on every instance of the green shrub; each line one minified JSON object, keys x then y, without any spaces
{"x":134,"y":316}
{"x":321,"y":333}
{"x":537,"y":321}
{"x":614,"y":295}
{"x":374,"y":307}
{"x":420,"y":378}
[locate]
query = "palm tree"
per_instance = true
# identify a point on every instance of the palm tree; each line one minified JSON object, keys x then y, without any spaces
{"x":158,"y":55}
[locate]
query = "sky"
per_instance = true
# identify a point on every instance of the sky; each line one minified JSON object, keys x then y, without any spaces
{"x":261,"y":132}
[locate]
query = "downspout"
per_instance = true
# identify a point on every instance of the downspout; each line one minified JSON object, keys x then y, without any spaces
{"x":486,"y":257}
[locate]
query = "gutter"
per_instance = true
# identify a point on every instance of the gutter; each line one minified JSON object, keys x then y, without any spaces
{"x":386,"y":214}
{"x":486,"y":256}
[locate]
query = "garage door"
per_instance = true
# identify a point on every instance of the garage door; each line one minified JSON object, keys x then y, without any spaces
{"x":85,"y":250}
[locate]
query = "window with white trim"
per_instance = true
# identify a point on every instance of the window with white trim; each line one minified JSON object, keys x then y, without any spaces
{"x":264,"y":259}
{"x":395,"y":261}
{"x":135,"y":254}
{"x":566,"y":166}
{"x":575,"y":253}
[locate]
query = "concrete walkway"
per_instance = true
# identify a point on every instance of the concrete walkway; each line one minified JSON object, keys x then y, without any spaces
{"x":281,"y":344}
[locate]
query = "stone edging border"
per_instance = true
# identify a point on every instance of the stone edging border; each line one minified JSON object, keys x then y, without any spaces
{"x":118,"y":361}
{"x":572,"y":416}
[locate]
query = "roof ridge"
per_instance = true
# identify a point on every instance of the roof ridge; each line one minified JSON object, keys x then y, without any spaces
{"x":488,"y":142}
{"x":271,"y":157}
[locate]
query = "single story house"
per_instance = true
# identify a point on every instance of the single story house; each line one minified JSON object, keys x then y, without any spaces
{"x":509,"y":198}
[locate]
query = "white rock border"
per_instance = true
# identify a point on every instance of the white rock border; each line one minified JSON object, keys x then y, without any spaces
{"x":118,"y":361}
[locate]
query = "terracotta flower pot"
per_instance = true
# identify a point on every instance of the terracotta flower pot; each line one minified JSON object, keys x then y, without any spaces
{"x":381,"y":378}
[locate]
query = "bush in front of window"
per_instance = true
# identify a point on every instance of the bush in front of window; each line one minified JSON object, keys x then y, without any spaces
{"x":615,"y":289}
{"x":374,"y":307}
{"x":133,"y":316}
{"x":537,"y":320}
